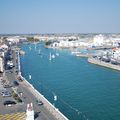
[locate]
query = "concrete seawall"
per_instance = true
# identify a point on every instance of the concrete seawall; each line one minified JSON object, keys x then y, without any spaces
{"x":54,"y":111}
{"x":84,"y":55}
{"x":104,"y":64}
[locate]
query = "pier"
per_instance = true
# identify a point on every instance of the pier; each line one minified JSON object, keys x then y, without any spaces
{"x":104,"y":64}
{"x":83,"y":55}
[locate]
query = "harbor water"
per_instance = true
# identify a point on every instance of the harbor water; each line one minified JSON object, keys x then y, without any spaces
{"x":80,"y":90}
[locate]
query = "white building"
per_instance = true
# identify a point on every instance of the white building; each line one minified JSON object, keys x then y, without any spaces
{"x":116,"y":53}
{"x":4,"y":47}
{"x":68,"y":44}
{"x":30,"y":112}
{"x":13,"y":40}
{"x":98,"y":40}
{"x":1,"y":64}
{"x":115,"y":42}
{"x":58,"y":38}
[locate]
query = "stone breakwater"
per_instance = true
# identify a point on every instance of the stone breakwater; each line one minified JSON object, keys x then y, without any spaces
{"x":104,"y":64}
{"x":54,"y":111}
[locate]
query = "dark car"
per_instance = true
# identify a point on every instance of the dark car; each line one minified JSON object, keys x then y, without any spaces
{"x":15,"y":83}
{"x":9,"y":103}
{"x":39,"y":102}
{"x":6,"y":86}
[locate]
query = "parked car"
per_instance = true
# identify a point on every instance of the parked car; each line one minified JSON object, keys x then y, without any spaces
{"x":6,"y":86}
{"x":10,"y":72}
{"x":6,"y":94}
{"x":3,"y":92}
{"x":39,"y":102}
{"x":15,"y":83}
{"x":9,"y":103}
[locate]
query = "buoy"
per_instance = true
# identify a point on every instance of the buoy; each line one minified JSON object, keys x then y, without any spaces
{"x":29,"y":76}
{"x":55,"y":98}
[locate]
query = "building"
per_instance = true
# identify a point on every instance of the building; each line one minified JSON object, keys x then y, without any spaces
{"x":1,"y":65}
{"x":13,"y":40}
{"x":69,"y":44}
{"x":4,"y":47}
{"x":30,"y":112}
{"x":98,"y":40}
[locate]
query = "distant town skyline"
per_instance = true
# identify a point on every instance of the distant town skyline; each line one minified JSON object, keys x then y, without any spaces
{"x":63,"y":16}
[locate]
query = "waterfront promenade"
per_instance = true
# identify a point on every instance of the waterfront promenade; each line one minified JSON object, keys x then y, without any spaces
{"x":104,"y":64}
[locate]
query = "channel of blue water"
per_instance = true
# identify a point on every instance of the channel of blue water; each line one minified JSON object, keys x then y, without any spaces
{"x":84,"y":91}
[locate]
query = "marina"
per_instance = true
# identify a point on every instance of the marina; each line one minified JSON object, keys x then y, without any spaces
{"x":60,"y":60}
{"x":77,"y":88}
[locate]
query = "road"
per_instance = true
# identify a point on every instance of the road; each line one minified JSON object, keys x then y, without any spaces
{"x":26,"y":96}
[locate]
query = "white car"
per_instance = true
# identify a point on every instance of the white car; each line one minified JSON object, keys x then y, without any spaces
{"x":6,"y":94}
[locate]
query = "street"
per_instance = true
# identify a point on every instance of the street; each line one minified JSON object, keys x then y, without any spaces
{"x":41,"y":113}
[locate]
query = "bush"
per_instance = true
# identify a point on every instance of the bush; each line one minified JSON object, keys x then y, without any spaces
{"x":48,"y":43}
{"x":16,"y":97}
{"x":31,"y":39}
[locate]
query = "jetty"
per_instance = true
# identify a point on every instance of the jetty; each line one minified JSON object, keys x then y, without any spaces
{"x":83,"y":55}
{"x":103,"y":63}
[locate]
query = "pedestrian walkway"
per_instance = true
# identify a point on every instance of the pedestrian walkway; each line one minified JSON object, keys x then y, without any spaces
{"x":15,"y":116}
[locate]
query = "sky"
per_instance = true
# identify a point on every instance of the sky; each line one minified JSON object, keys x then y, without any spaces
{"x":59,"y":16}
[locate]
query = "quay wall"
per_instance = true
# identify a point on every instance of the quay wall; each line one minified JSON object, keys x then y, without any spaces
{"x":84,"y":55}
{"x":104,"y":64}
{"x":54,"y":111}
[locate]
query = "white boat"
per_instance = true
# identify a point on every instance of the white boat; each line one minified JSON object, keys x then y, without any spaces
{"x":35,"y":45}
{"x":53,"y":56}
{"x":57,"y":54}
{"x":29,"y":76}
{"x":30,"y":48}
{"x":39,"y":52}
{"x":55,"y":98}
{"x":75,"y":52}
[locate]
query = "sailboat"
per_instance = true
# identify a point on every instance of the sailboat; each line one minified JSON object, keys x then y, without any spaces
{"x":35,"y":45}
{"x":39,"y":52}
{"x":55,"y":98}
{"x":30,"y":48}
{"x":53,"y":56}
{"x":57,"y":54}
{"x":29,"y":76}
{"x":50,"y":57}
